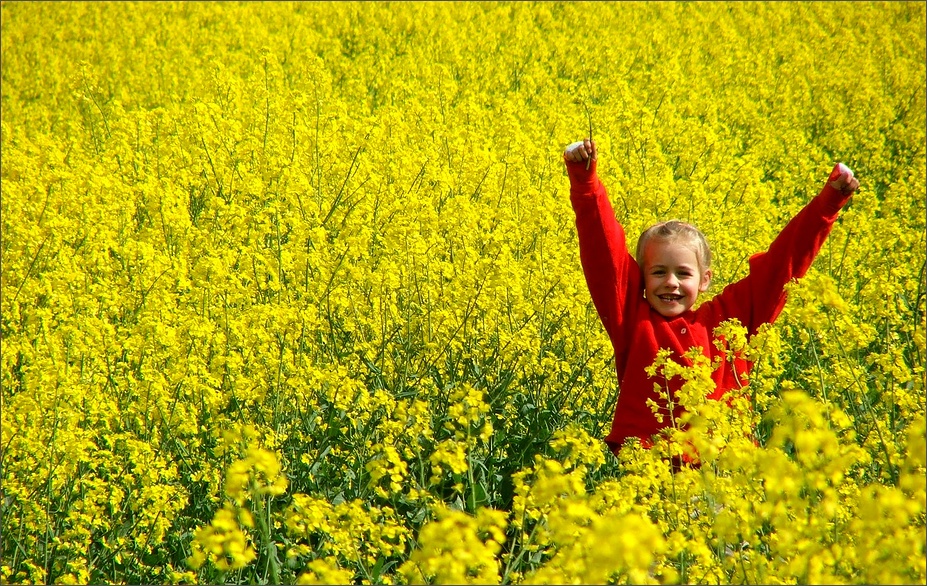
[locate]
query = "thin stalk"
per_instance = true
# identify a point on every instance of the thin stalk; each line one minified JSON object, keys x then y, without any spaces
{"x":589,"y":118}
{"x":865,"y":399}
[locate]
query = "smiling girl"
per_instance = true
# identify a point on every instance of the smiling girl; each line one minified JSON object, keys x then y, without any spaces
{"x":645,"y":304}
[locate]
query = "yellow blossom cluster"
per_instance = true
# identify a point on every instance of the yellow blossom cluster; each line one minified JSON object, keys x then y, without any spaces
{"x":470,"y":556}
{"x":291,"y":292}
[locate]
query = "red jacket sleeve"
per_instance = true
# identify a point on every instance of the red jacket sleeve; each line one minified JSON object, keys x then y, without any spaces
{"x":759,"y":297}
{"x":611,"y":273}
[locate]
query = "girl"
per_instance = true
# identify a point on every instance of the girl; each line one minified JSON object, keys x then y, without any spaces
{"x":645,"y":303}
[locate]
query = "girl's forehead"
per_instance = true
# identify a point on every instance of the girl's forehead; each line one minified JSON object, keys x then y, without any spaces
{"x":678,"y":250}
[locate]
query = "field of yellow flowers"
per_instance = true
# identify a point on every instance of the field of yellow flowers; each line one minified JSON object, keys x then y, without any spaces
{"x":291,"y":292}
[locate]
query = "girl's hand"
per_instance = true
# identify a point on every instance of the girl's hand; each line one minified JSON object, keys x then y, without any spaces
{"x":842,"y":179}
{"x":580,"y":151}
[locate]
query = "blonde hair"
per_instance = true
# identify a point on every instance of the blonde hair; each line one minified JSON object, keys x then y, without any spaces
{"x":676,"y":231}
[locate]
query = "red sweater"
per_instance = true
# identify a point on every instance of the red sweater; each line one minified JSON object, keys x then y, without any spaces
{"x":637,"y":331}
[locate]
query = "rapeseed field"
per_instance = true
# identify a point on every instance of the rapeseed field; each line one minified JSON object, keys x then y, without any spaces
{"x":291,"y":292}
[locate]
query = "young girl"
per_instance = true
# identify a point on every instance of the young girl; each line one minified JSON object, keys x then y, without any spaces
{"x":646,"y":303}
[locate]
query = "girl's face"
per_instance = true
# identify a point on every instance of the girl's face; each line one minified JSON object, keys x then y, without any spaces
{"x":672,"y":279}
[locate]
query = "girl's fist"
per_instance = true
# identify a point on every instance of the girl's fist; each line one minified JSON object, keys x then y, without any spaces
{"x":842,"y":179}
{"x":577,"y":152}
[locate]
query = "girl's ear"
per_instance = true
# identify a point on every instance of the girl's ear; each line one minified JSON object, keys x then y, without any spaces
{"x":705,"y":281}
